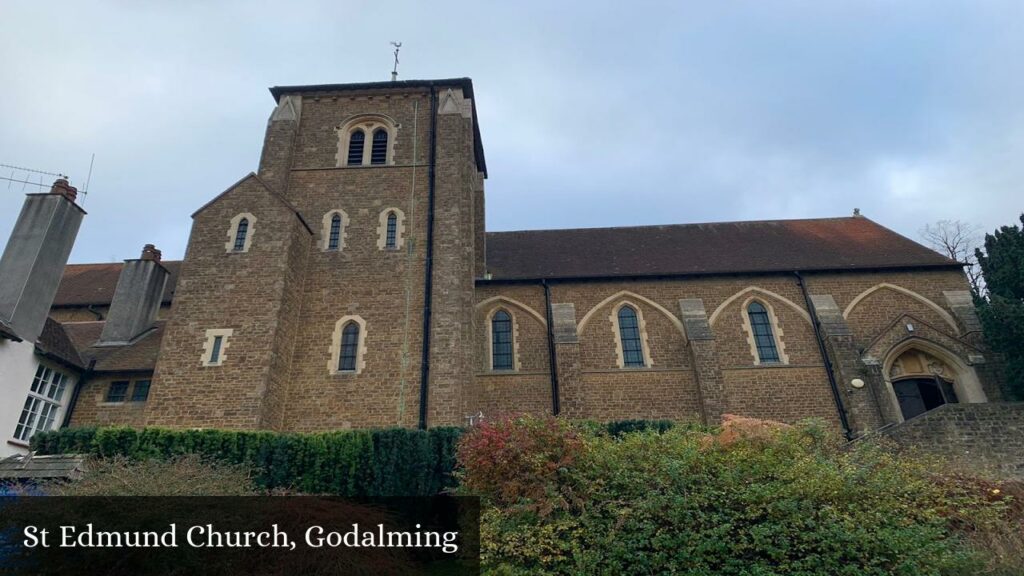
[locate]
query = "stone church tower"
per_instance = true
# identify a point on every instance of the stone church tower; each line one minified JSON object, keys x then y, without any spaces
{"x":334,"y":287}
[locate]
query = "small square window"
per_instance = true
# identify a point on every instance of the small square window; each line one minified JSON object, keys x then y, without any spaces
{"x":117,"y":391}
{"x":140,"y":393}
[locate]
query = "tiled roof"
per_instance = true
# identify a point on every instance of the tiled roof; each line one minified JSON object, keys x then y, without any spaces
{"x":32,"y":467}
{"x":139,"y":355}
{"x":85,"y":284}
{"x":54,"y":342}
{"x":853,"y":243}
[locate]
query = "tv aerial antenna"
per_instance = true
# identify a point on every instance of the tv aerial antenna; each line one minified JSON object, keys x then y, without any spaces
{"x":394,"y":71}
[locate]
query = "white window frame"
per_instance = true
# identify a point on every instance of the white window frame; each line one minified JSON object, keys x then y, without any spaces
{"x":43,"y":404}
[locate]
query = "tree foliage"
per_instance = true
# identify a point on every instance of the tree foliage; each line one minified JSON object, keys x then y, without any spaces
{"x":1001,"y":310}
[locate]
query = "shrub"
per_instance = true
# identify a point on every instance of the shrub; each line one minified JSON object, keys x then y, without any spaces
{"x":188,"y":475}
{"x":521,"y":461}
{"x":394,"y":462}
{"x":783,"y":502}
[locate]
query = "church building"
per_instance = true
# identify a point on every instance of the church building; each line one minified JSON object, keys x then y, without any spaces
{"x":350,"y":282}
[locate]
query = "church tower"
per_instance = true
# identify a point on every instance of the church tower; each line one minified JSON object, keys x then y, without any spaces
{"x":333,"y":288}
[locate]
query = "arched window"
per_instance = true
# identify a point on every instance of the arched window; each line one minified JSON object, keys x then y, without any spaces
{"x":349,"y":347}
{"x":379,"y":151}
{"x":501,"y":341}
{"x":355,"y":148}
{"x":240,"y":234}
{"x":629,"y":333}
{"x":334,"y":239}
{"x":392,"y":231}
{"x":761,"y":325}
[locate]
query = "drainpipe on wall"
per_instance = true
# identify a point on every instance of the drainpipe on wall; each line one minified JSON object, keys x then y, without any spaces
{"x":75,"y":392}
{"x":552,"y":359}
{"x":843,"y":420}
{"x":428,"y":283}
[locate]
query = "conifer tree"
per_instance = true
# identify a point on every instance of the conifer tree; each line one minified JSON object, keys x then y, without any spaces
{"x":1001,"y":310}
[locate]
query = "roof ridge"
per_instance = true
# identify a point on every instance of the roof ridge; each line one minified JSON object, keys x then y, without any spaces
{"x":714,"y":222}
{"x":119,"y":263}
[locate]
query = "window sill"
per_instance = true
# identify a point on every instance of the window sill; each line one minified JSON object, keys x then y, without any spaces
{"x":344,"y":373}
{"x":19,"y":443}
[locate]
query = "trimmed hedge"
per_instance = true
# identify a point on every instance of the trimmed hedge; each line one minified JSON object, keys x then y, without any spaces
{"x":620,"y":427}
{"x":390,"y":462}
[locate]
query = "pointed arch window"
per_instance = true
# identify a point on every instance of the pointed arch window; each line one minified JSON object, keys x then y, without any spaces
{"x":334,"y":238}
{"x":379,"y":149}
{"x":349,"y":347}
{"x":501,"y":341}
{"x":356,"y":143}
{"x":391,"y":240}
{"x":240,"y":234}
{"x":764,"y":339}
{"x":629,"y":333}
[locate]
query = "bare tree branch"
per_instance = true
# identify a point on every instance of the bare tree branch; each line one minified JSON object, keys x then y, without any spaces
{"x":957,"y":240}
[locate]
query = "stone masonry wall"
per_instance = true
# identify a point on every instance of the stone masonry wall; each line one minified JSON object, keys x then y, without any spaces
{"x":977,"y":436}
{"x":241,"y":291}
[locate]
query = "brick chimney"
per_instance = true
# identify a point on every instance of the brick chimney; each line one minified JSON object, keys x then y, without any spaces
{"x":137,"y":298}
{"x":34,"y":259}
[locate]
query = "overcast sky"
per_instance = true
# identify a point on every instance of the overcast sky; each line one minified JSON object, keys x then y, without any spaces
{"x":592,"y":113}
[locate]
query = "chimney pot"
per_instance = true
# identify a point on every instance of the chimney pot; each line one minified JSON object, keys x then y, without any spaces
{"x":149,"y":252}
{"x":62,"y":188}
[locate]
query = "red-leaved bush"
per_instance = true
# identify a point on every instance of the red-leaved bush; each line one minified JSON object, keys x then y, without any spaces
{"x":521,"y":461}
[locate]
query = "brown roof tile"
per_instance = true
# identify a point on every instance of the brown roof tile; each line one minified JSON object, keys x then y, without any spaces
{"x":139,"y":355}
{"x":85,"y":284}
{"x":54,"y":342}
{"x":851,"y":243}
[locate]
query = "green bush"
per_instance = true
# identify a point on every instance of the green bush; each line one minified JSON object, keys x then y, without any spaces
{"x":620,"y":427}
{"x":393,"y":462}
{"x":681,"y":502}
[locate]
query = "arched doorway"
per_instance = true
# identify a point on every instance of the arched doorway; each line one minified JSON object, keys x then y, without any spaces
{"x":924,"y":378}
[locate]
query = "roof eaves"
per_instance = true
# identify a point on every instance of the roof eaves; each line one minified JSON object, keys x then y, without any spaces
{"x":695,"y":274}
{"x":7,"y":332}
{"x":263,"y":183}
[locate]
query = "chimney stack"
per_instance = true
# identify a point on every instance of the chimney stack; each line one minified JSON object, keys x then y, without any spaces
{"x":34,"y":259}
{"x":137,"y":298}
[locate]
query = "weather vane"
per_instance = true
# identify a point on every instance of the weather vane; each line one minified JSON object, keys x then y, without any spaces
{"x":394,"y":72}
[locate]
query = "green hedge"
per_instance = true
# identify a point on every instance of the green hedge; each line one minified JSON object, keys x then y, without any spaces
{"x":391,"y":462}
{"x":620,"y":427}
